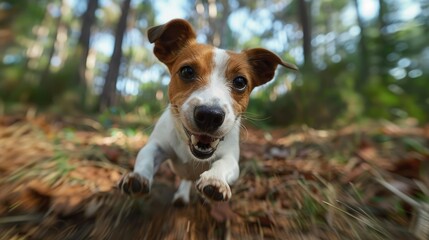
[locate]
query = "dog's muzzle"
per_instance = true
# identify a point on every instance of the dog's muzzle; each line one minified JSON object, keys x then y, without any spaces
{"x":202,"y":146}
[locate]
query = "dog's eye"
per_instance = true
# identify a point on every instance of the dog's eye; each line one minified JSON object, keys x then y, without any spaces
{"x":239,"y":83}
{"x":187,"y":73}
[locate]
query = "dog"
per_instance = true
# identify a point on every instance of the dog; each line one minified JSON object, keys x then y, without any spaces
{"x":199,"y":131}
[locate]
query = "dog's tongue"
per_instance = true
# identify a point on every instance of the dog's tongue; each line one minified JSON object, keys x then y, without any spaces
{"x":205,"y":139}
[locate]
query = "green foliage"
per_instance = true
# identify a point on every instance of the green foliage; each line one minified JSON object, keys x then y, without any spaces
{"x":317,"y":100}
{"x":151,"y":101}
{"x":332,"y":90}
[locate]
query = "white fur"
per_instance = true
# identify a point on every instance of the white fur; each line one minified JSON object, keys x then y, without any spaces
{"x":217,"y":92}
{"x":168,"y":140}
{"x":166,"y":143}
{"x":183,"y":191}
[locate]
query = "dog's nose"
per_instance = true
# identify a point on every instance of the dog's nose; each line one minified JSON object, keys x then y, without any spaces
{"x":208,"y":118}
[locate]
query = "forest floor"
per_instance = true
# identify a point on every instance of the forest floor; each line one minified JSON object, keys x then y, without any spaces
{"x":370,"y":181}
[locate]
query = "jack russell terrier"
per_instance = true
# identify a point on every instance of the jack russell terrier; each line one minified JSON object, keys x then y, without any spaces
{"x":199,"y":131}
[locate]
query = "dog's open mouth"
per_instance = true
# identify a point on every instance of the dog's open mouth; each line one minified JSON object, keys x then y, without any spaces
{"x":202,"y":146}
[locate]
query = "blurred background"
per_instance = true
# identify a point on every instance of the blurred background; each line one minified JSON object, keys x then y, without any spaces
{"x":80,"y":90}
{"x":358,"y":59}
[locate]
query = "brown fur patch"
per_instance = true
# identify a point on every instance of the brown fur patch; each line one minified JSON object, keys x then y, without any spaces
{"x":200,"y":58}
{"x":175,"y":46}
{"x":239,"y":66}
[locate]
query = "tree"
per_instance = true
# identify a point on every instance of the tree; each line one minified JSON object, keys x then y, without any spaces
{"x":109,"y":93}
{"x":212,"y":16}
{"x":363,"y":64}
{"x":305,"y":20}
{"x":88,"y":19}
{"x":48,"y":94}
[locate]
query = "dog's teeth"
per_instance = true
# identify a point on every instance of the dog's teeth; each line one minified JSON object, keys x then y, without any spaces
{"x":203,"y":150}
{"x":214,"y":143}
{"x":194,"y":140}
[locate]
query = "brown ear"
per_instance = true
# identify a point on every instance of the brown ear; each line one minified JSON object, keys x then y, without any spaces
{"x":170,"y":38}
{"x":264,"y":64}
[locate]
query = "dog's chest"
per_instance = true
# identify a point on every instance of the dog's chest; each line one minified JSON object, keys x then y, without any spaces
{"x":190,"y":170}
{"x":176,"y":147}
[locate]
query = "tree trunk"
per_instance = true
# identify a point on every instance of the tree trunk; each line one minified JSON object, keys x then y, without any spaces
{"x":305,"y":20}
{"x":363,"y":64}
{"x":108,"y":96}
{"x":45,"y":72}
{"x":88,"y":19}
{"x":48,"y":89}
{"x":225,"y":31}
{"x":383,"y":44}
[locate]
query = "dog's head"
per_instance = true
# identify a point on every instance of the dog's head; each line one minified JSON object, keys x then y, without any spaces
{"x":209,"y":87}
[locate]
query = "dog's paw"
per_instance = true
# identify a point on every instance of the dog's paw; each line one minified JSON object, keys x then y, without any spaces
{"x":134,"y":184}
{"x":214,"y":189}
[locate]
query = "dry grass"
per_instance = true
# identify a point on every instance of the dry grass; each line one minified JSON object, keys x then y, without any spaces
{"x":57,"y":182}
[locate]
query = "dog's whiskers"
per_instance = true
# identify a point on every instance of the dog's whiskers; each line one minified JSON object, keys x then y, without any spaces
{"x":252,"y":117}
{"x":242,"y":126}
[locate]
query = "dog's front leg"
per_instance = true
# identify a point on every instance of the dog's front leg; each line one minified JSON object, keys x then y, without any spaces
{"x":148,"y":161}
{"x":214,"y":183}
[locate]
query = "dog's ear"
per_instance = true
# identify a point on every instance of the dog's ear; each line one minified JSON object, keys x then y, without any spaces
{"x":170,"y":38}
{"x":264,"y":64}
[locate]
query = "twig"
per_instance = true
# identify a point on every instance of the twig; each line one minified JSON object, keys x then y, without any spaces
{"x":420,"y":227}
{"x":398,"y":193}
{"x":367,"y":223}
{"x":21,"y":218}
